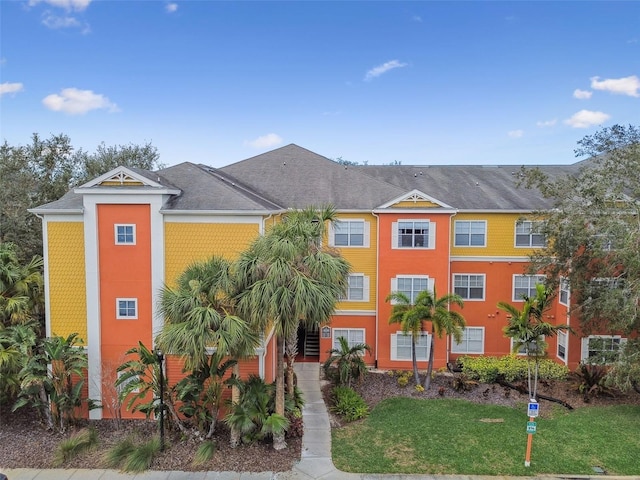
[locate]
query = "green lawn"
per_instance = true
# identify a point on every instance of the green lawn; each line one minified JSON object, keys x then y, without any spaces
{"x":404,"y":435}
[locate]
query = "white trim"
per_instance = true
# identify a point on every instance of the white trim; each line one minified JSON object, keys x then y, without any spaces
{"x":116,"y":234}
{"x":355,"y":313}
{"x":393,"y":351}
{"x":366,"y":234}
{"x":584,"y":343}
{"x":560,"y":290}
{"x":461,"y":258}
{"x":431,"y":235}
{"x":465,"y":341}
{"x":209,"y":217}
{"x":417,"y":196}
{"x":484,"y":285}
{"x":121,"y":172}
{"x":540,"y":278}
{"x":365,"y":289}
{"x":519,"y":353}
{"x":530,"y":234}
{"x":484,"y":245}
{"x":564,"y":335}
{"x":349,"y":341}
{"x":127,"y":317}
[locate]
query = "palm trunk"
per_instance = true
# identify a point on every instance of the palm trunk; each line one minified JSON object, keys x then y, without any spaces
{"x":291,"y":349}
{"x":278,"y":438}
{"x":414,"y":359}
{"x":427,"y":380}
{"x":235,"y":398}
{"x":45,"y":408}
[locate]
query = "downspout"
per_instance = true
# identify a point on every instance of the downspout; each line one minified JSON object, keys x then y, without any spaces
{"x":377,"y":331}
{"x":451,"y":232}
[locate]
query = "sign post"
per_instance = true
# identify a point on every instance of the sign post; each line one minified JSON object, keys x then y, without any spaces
{"x":533,"y":409}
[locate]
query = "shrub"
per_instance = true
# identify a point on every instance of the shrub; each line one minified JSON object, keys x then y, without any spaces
{"x":130,"y":456}
{"x":403,"y":379}
{"x":349,"y":404}
{"x":84,"y":440}
{"x":590,"y":380}
{"x":509,"y":367}
{"x":204,"y":453}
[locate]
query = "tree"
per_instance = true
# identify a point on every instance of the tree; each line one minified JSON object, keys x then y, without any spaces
{"x":288,"y":278}
{"x":593,"y":233}
{"x":348,"y":361}
{"x":46,"y":169}
{"x":202,"y":327}
{"x":528,"y":330}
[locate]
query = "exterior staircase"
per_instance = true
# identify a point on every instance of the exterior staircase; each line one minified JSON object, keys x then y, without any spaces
{"x":312,"y":344}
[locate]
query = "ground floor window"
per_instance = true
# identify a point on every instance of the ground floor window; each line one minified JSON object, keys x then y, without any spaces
{"x":561,"y":351}
{"x":601,"y":349}
{"x":353,"y":336}
{"x":472,"y":341}
{"x":401,"y":346}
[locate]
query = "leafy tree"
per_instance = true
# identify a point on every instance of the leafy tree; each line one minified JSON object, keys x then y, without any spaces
{"x":16,"y":346}
{"x":593,"y":233}
{"x":348,"y":360}
{"x":46,"y":169}
{"x":21,"y":288}
{"x":288,"y":278}
{"x":527,"y":329}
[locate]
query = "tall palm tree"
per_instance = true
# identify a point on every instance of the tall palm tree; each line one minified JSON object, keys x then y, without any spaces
{"x":434,"y":309}
{"x":527,"y":329}
{"x":201,"y":320}
{"x":288,"y":278}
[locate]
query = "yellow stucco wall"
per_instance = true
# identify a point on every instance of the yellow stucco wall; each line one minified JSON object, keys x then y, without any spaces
{"x":362,"y":260}
{"x":66,"y":282}
{"x":501,"y":228}
{"x":186,"y":243}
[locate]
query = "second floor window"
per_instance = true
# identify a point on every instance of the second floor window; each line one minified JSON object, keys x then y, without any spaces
{"x":528,"y":234}
{"x":525,"y":286}
{"x":125,"y":234}
{"x":470,"y":233}
{"x":358,"y":289}
{"x":469,"y":287}
{"x":349,"y":233}
{"x":413,"y":234}
{"x":411,"y":286}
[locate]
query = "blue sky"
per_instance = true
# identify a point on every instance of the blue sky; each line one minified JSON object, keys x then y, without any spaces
{"x":377,"y":82}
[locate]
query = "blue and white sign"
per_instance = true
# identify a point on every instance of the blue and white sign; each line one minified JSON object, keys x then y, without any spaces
{"x":533,"y":409}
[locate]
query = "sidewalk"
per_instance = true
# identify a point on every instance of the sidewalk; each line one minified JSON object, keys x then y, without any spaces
{"x":315,"y":461}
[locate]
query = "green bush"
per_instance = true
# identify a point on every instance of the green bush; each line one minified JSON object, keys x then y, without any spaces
{"x":509,"y":367}
{"x":349,"y":404}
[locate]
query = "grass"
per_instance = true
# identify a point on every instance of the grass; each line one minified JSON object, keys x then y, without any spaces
{"x":132,"y":455}
{"x":84,"y":440}
{"x":446,"y":436}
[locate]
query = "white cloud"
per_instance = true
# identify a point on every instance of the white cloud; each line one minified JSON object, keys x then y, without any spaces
{"x":417,"y":18}
{"x":171,"y":7}
{"x":621,"y":86}
{"x":265,"y":141}
{"x":78,"y":102}
{"x":7,"y":87}
{"x":385,"y":67}
{"x":582,"y":94}
{"x":69,"y":5}
{"x":516,"y":133}
{"x":547,"y":123}
{"x":586,"y":119}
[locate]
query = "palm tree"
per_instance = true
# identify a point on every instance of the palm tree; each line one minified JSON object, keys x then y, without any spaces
{"x":288,"y":278}
{"x":348,"y":360}
{"x":527,"y":329}
{"x":409,"y":317}
{"x":201,"y":320}
{"x":443,"y":320}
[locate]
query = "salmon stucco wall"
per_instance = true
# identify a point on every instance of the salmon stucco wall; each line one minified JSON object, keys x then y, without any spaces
{"x":66,"y":281}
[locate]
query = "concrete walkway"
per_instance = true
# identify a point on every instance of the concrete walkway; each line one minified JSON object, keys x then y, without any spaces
{"x":315,"y":460}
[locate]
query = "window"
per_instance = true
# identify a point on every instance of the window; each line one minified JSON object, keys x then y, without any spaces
{"x":470,"y":233}
{"x":349,"y":233}
{"x":525,"y":286}
{"x":468,"y":286}
{"x":401,"y":346}
{"x":472,"y":341}
{"x":528,"y":234}
{"x":127,"y":308}
{"x":125,"y":234}
{"x":358,"y":289}
{"x":565,"y":293}
{"x":120,"y":388}
{"x":563,"y":338}
{"x":411,"y":286}
{"x":601,"y":349}
{"x":413,"y":234}
{"x":535,"y":347}
{"x":354,"y":336}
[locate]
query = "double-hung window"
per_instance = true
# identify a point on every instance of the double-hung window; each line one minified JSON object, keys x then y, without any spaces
{"x":126,"y":308}
{"x":525,"y":286}
{"x":528,"y":234}
{"x":470,"y":233}
{"x":358,"y":288}
{"x":401,"y":346}
{"x":533,"y":348}
{"x":601,"y":349}
{"x":562,"y":342}
{"x":125,"y":234}
{"x":353,"y":336}
{"x":469,"y":286}
{"x":472,"y":341}
{"x":565,"y":293}
{"x":411,"y":285}
{"x":413,"y":234}
{"x":349,"y":233}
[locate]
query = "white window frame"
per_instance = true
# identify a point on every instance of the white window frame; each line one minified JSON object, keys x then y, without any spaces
{"x":135,"y":309}
{"x":365,"y":288}
{"x":468,"y":276}
{"x":351,"y":340}
{"x":366,"y":233}
{"x":422,"y":347}
{"x":528,"y":225}
{"x":431,"y":234}
{"x":562,"y":341}
{"x":584,"y":353}
{"x":414,"y":292}
{"x":470,"y":234}
{"x":564,"y":290}
{"x":530,"y":288}
{"x":464,"y":346}
{"x":126,"y":234}
{"x":521,"y":352}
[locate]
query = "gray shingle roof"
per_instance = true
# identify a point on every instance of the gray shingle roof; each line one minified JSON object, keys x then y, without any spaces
{"x":296,"y":178}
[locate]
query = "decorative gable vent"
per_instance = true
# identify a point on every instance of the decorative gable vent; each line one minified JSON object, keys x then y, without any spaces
{"x":121,"y":179}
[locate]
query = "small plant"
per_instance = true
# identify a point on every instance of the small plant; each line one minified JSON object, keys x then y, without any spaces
{"x":82,"y":441}
{"x":131,"y":457}
{"x":349,"y":404}
{"x":419,"y":388}
{"x":403,"y":379}
{"x":441,"y":391}
{"x":462,"y":383}
{"x":116,"y":455}
{"x":346,"y":363}
{"x":590,"y":380}
{"x":204,"y":453}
